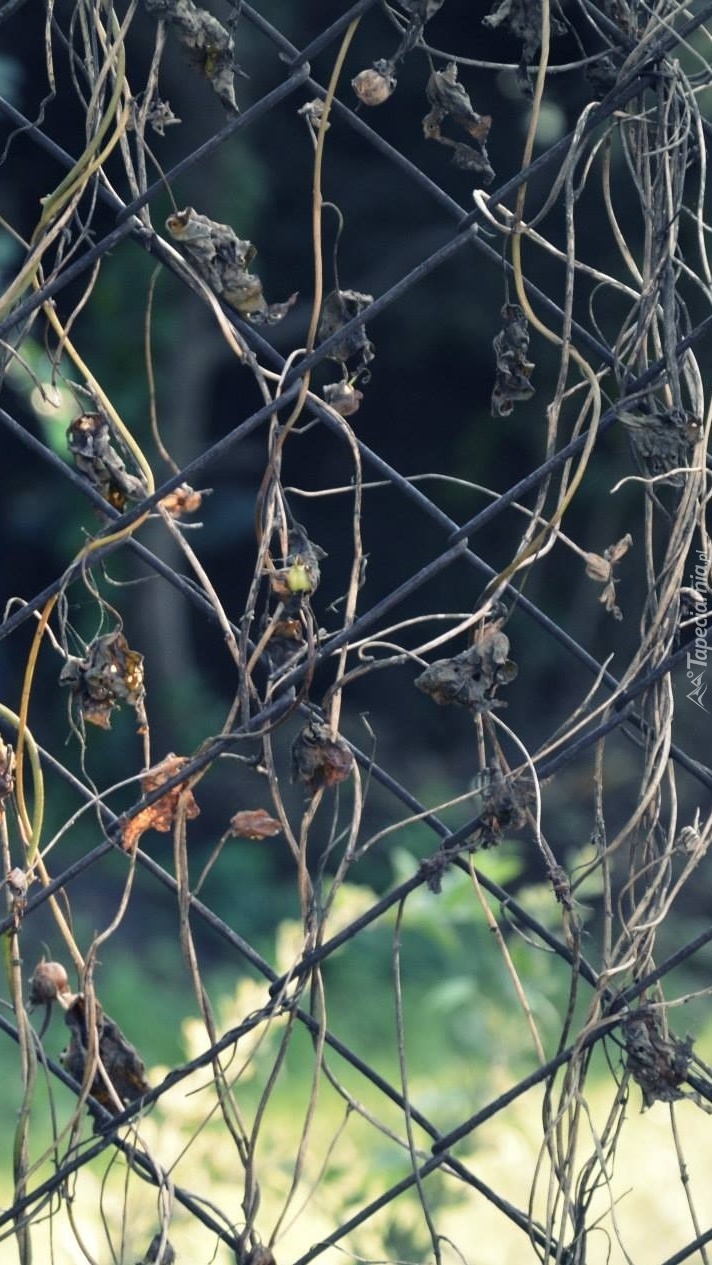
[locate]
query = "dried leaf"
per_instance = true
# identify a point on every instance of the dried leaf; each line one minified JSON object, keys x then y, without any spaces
{"x":320,"y":758}
{"x":109,"y":675}
{"x":522,"y":18}
{"x":162,"y":814}
{"x":254,"y":824}
{"x":513,"y":369}
{"x":449,"y":99}
{"x":210,"y":46}
{"x":89,"y":439}
{"x":472,"y":678}
{"x":155,"y":1256}
{"x":657,"y":1063}
{"x":124,"y":1067}
{"x":222,"y":259}
{"x":340,"y":307}
{"x":599,"y":567}
{"x":663,"y":441}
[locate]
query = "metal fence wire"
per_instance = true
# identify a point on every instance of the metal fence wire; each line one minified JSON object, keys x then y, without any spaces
{"x":285,"y":1133}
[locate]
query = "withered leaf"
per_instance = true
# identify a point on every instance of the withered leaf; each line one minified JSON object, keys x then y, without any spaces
{"x":123,"y":1065}
{"x":160,"y":815}
{"x":599,"y":567}
{"x":89,"y":438}
{"x":449,"y":99}
{"x":657,"y":1063}
{"x":156,"y":1256}
{"x":110,"y":674}
{"x":472,"y":678}
{"x":663,"y":441}
{"x":210,"y":46}
{"x":340,"y":307}
{"x":522,"y":18}
{"x":222,"y":259}
{"x":320,"y":758}
{"x":254,"y":824}
{"x":513,"y":371}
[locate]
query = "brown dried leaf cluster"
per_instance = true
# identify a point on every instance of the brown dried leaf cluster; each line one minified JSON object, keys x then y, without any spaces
{"x":222,"y":259}
{"x":110,"y":674}
{"x":471,"y":679}
{"x":320,"y":758}
{"x":160,"y":815}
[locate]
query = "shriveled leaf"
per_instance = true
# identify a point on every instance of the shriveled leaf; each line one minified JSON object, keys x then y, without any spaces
{"x":657,"y":1062}
{"x":449,"y":100}
{"x":472,"y":678}
{"x":522,"y":18}
{"x":222,"y":259}
{"x":160,"y":815}
{"x":320,"y":758}
{"x":210,"y":46}
{"x":122,"y":1063}
{"x":110,"y":674}
{"x":663,"y":442}
{"x":89,"y":438}
{"x":155,"y":1255}
{"x":599,"y":567}
{"x":7,"y":772}
{"x":340,"y":307}
{"x":254,"y":824}
{"x":513,"y":370}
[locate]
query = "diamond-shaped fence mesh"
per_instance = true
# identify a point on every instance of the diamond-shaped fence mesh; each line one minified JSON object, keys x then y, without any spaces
{"x":458,"y":938}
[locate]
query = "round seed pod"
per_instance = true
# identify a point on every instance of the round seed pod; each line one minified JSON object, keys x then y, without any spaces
{"x":374,"y":86}
{"x":49,"y":981}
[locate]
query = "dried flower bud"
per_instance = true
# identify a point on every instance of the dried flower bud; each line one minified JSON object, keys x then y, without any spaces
{"x":374,"y":86}
{"x":17,"y":884}
{"x":343,"y":397}
{"x":48,"y":982}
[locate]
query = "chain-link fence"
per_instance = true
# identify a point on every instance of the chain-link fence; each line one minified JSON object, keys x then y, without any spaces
{"x":284,"y":1131}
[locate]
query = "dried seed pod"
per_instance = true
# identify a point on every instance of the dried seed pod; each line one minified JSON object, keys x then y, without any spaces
{"x":376,"y":85}
{"x":254,"y":824}
{"x":343,"y":397}
{"x":319,"y":757}
{"x":48,"y":982}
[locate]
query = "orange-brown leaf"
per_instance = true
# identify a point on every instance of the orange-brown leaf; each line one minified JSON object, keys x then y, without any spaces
{"x":162,"y":814}
{"x":254,"y":824}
